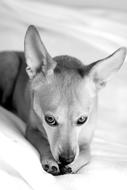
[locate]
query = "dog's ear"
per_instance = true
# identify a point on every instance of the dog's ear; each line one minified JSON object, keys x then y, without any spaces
{"x":37,"y":57}
{"x":102,"y":70}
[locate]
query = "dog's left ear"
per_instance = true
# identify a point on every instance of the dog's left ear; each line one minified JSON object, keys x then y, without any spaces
{"x":36,"y":55}
{"x":102,"y":70}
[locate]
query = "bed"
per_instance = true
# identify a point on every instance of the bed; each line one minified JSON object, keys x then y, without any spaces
{"x":89,"y":34}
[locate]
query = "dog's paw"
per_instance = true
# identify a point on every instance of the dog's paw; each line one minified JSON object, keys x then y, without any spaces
{"x":65,"y":170}
{"x":76,"y":166}
{"x":50,"y":166}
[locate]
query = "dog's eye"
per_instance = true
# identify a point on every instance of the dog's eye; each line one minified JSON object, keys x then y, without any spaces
{"x":51,"y":120}
{"x":82,"y":120}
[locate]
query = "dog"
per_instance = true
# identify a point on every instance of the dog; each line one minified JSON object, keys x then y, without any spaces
{"x":57,"y":98}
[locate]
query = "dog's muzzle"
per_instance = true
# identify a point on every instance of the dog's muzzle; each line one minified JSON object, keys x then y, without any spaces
{"x":65,"y":158}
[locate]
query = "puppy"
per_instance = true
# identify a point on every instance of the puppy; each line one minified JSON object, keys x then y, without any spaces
{"x":57,"y":98}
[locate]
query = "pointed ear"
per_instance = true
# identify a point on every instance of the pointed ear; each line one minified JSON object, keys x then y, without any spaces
{"x":37,"y":57}
{"x":102,"y":70}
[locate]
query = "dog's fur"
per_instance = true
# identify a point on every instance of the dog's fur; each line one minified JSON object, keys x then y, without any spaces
{"x":35,"y":85}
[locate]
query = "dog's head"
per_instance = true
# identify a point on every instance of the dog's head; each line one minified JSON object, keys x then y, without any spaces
{"x":64,"y":94}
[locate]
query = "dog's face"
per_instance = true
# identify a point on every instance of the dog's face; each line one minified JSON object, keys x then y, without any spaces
{"x":66,"y":104}
{"x":64,"y":93}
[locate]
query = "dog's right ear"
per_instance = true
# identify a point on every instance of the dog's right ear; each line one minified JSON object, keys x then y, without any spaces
{"x":36,"y":55}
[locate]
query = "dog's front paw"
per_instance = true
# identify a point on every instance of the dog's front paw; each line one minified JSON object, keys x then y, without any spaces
{"x":77,"y":165}
{"x":50,"y":166}
{"x":65,"y":170}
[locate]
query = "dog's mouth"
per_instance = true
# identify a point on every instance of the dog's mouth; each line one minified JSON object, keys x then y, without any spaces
{"x":66,"y":160}
{"x":64,"y":164}
{"x":66,"y":157}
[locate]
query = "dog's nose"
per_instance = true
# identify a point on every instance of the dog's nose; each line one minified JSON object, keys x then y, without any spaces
{"x":65,"y":159}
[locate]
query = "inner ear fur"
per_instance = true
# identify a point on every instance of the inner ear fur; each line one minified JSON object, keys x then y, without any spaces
{"x":36,"y":54}
{"x":101,"y":71}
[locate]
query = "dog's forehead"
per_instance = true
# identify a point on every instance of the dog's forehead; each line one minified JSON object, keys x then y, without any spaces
{"x":68,"y":87}
{"x":68,"y":92}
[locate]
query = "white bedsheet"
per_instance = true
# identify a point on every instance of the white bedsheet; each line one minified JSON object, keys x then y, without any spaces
{"x":88,"y":34}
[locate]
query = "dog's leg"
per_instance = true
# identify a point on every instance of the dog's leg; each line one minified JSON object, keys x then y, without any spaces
{"x":41,"y":144}
{"x":10,"y":64}
{"x":82,"y":160}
